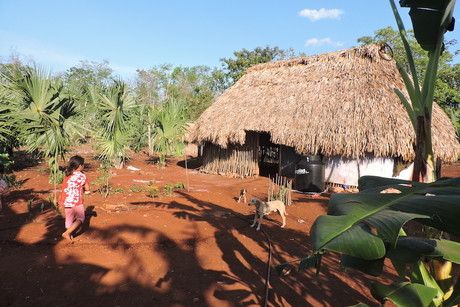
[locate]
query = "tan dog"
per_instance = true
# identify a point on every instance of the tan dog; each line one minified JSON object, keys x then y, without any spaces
{"x":264,"y":208}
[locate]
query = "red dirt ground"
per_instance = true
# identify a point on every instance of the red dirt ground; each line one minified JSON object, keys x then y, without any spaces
{"x":194,"y":248}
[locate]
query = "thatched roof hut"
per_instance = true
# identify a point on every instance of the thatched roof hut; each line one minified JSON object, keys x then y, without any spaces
{"x":340,"y":103}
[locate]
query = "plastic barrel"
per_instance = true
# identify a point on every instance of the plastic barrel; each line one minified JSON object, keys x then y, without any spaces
{"x":310,"y":174}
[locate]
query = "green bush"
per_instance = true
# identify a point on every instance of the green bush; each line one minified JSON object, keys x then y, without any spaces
{"x":168,"y":189}
{"x":153,"y":191}
{"x":58,"y":178}
{"x":12,"y":182}
{"x":7,"y":163}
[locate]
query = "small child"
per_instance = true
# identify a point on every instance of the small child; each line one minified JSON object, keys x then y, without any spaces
{"x":4,"y":190}
{"x":72,"y":196}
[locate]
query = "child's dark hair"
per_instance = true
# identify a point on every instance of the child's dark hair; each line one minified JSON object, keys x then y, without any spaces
{"x":74,"y":163}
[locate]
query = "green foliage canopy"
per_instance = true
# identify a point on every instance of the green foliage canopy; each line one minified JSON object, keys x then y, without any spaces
{"x":447,"y":93}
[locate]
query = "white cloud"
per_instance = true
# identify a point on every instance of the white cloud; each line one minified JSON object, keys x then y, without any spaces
{"x":322,"y":41}
{"x":315,"y":15}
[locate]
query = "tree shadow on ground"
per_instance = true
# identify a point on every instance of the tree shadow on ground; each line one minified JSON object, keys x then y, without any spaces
{"x":252,"y":272}
{"x":44,"y":275}
{"x":191,"y":163}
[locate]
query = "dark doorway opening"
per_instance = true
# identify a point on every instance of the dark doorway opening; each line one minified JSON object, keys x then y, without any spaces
{"x":269,"y":156}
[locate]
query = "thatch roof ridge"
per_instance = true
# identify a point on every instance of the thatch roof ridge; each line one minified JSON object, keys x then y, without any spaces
{"x":373,"y":52}
{"x":338,"y":103}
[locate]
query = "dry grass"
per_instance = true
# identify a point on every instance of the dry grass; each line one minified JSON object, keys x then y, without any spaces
{"x":338,"y":103}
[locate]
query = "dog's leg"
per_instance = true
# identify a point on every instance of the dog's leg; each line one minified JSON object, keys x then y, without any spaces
{"x":283,"y":214}
{"x":255,"y":219}
{"x":284,"y":220}
{"x":261,"y":216}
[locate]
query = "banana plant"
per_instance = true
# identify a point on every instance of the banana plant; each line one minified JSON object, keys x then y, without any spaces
{"x":420,"y":103}
{"x":367,"y":227}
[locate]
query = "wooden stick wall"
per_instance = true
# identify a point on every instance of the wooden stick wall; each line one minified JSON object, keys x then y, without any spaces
{"x":234,"y":161}
{"x":280,"y":188}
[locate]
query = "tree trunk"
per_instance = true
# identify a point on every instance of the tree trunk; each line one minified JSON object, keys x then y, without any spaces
{"x":424,"y":159}
{"x":149,"y":139}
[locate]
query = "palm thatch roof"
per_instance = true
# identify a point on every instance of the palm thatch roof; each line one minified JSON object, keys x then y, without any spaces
{"x":338,"y":103}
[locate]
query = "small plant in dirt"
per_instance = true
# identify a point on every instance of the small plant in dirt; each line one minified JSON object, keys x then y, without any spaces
{"x":153,"y":191}
{"x":136,"y":188}
{"x":118,"y":190}
{"x":168,"y":189}
{"x":53,"y":202}
{"x":12,"y":182}
{"x":281,"y":194}
{"x":179,"y":185}
{"x":30,"y":214}
{"x":103,"y":179}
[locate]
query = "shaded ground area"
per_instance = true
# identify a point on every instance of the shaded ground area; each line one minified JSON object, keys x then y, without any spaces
{"x":193,"y":248}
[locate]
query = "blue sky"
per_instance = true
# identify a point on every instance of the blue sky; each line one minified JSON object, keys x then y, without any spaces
{"x":140,"y":34}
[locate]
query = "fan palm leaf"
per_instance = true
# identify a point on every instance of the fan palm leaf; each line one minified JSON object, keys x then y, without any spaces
{"x":115,"y":106}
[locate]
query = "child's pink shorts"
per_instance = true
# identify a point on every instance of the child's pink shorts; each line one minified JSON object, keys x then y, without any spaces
{"x":74,"y":213}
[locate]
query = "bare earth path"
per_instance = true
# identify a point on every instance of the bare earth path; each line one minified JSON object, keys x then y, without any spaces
{"x":194,"y":248}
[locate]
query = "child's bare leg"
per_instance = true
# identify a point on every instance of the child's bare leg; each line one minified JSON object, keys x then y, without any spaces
{"x":68,"y":233}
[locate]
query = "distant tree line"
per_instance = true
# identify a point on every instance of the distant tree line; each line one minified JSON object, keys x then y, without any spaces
{"x":48,"y":114}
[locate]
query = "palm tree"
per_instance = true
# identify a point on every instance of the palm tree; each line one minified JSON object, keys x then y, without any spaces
{"x":44,"y":115}
{"x":45,"y":112}
{"x":8,"y":123}
{"x":114,"y":106}
{"x":168,"y":132}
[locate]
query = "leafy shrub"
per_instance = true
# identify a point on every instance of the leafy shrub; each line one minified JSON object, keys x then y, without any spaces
{"x":12,"y":182}
{"x":103,"y":179}
{"x":153,"y":192}
{"x":118,"y":190}
{"x":5,"y":160}
{"x":57,"y":178}
{"x":179,"y":185}
{"x":169,"y":189}
{"x":135,"y":188}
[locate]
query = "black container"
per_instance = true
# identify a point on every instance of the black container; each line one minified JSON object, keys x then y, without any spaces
{"x":310,"y":174}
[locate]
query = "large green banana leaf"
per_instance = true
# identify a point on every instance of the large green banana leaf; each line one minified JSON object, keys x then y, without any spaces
{"x":367,"y":224}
